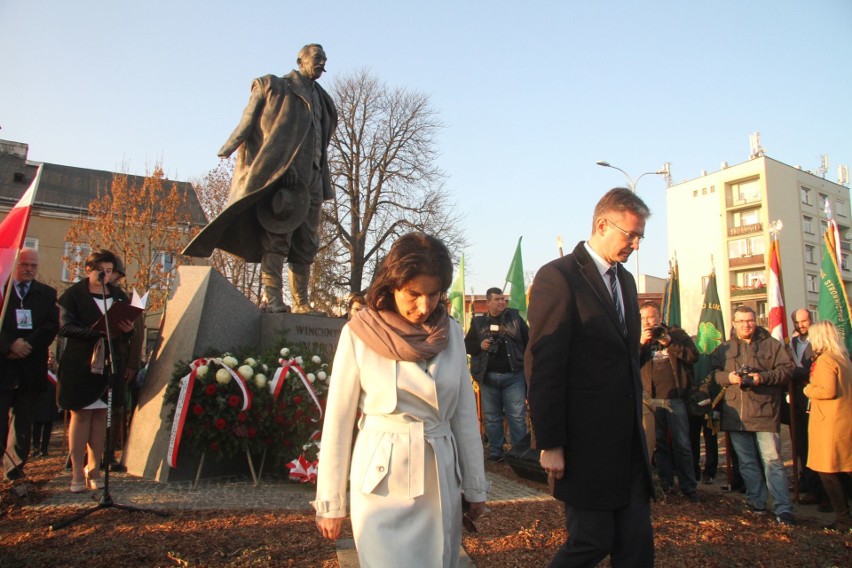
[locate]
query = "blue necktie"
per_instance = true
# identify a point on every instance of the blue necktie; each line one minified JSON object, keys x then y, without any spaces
{"x":613,"y":288}
{"x":22,"y":289}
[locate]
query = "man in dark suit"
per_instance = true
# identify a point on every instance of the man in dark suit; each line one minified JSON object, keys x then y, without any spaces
{"x":29,"y":327}
{"x":802,"y":355}
{"x":585,"y":391}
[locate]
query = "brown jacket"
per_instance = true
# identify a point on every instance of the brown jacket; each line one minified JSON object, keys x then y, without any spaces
{"x":682,"y":355}
{"x":830,"y":424}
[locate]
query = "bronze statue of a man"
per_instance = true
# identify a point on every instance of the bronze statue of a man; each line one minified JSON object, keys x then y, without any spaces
{"x":280,"y":180}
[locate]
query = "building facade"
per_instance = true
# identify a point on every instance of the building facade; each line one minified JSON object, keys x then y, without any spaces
{"x":723,"y":221}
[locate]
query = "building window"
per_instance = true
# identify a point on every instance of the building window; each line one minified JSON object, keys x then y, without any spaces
{"x":751,"y":279}
{"x":76,"y":258}
{"x":844,"y":261}
{"x":806,"y":195}
{"x":813,"y":283}
{"x":31,"y":242}
{"x":747,"y":217}
{"x":823,"y":225}
{"x":746,"y":192}
{"x":810,"y":257}
{"x":808,"y":224}
{"x":841,"y":208}
{"x":745,"y":247}
{"x":823,"y":202}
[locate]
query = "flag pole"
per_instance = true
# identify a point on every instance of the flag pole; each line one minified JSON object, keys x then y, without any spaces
{"x":9,"y":287}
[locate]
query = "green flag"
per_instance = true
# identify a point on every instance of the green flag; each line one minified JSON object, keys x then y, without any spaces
{"x":671,"y":298}
{"x":457,"y":295}
{"x":515,"y":280}
{"x":711,"y":329}
{"x":833,"y":303}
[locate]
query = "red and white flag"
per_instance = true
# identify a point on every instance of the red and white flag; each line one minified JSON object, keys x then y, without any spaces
{"x":13,"y":230}
{"x":775,"y":296}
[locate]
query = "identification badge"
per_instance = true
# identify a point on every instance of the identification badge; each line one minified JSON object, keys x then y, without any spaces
{"x":25,"y":319}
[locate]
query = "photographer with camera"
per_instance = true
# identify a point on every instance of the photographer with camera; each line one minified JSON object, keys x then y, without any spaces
{"x":496,"y":342}
{"x":753,"y":368}
{"x":666,"y":355}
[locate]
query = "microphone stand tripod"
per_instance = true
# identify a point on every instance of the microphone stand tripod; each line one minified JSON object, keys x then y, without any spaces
{"x":106,"y":501}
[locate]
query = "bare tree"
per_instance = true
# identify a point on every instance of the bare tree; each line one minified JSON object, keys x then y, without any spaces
{"x":382,"y":160}
{"x":146,"y":222}
{"x":213,"y":192}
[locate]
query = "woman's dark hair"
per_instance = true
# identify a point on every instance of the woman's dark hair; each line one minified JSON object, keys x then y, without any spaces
{"x":413,"y":255}
{"x":96,"y":258}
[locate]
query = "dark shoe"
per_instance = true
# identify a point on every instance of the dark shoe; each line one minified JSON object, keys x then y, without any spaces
{"x":692,"y":497}
{"x":785,"y":519}
{"x":841,"y":526}
{"x":808,"y":499}
{"x":825,"y":507}
{"x":14,"y":473}
{"x":755,"y":510}
{"x":114,"y":465}
{"x":495,"y":459}
{"x":707,"y":479}
{"x":666,"y":486}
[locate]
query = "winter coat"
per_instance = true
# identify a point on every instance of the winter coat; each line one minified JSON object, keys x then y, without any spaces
{"x":830,"y":423}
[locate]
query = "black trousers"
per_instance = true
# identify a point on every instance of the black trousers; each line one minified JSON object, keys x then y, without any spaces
{"x":625,"y":534}
{"x":697,"y":427}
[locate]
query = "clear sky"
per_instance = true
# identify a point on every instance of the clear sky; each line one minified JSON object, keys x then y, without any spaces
{"x":532,"y":93}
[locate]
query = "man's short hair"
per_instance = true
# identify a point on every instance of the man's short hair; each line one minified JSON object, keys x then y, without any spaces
{"x":744,"y":310}
{"x":493,"y":292}
{"x":620,"y":200}
{"x":650,"y":304}
{"x":807,"y":311}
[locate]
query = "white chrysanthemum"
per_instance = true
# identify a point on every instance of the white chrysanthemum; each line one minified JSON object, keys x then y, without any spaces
{"x":316,"y":359}
{"x":246,"y":372}
{"x":260,"y":380}
{"x":223,"y":376}
{"x":201,"y":371}
{"x":250,"y":362}
{"x":285,"y":352}
{"x":312,"y":377}
{"x":322,"y":375}
{"x":230,"y":361}
{"x":299,"y":360}
{"x":265,"y":368}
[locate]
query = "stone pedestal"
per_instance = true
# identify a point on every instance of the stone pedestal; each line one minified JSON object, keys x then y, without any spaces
{"x":205,"y":312}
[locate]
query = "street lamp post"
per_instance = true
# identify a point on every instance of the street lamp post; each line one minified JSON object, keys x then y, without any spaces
{"x":632,"y":186}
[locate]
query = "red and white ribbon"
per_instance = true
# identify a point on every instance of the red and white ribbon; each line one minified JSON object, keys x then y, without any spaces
{"x":302,"y":470}
{"x":241,"y":383}
{"x":181,"y":408}
{"x":51,"y":376}
{"x":281,"y":374}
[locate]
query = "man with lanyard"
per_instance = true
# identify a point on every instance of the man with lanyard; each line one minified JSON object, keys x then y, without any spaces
{"x":29,"y":327}
{"x":496,"y":342}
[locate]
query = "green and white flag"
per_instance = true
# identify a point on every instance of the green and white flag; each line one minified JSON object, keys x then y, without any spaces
{"x":515,"y":280}
{"x":833,"y":303}
{"x":711,"y":329}
{"x":456,"y":296}
{"x":671,"y":298}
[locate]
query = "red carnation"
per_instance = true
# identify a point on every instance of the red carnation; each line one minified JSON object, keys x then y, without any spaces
{"x":287,"y":443}
{"x":242,"y":417}
{"x":214,"y":446}
{"x":297,"y":399}
{"x":220,"y":423}
{"x":234,"y":400}
{"x":298,"y":414}
{"x":251,"y":432}
{"x":210,"y":390}
{"x":279,"y":420}
{"x":198,"y":409}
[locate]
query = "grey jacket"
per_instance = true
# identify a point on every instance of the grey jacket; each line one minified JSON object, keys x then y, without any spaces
{"x":757,"y":409}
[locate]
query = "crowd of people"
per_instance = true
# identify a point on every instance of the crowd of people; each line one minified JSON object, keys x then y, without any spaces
{"x":36,"y":390}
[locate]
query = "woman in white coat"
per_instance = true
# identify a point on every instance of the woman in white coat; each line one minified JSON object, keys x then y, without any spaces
{"x":402,"y":362}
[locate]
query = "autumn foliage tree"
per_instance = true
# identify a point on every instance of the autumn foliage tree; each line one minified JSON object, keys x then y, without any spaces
{"x":146,"y":221}
{"x":213,"y":192}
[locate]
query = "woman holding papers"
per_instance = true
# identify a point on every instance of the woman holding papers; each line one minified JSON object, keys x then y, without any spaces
{"x":83,"y":369}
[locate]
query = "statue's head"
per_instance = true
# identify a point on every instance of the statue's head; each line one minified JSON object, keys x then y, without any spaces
{"x":311,"y":61}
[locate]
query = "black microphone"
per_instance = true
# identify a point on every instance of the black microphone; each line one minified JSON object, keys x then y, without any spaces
{"x":101,"y":275}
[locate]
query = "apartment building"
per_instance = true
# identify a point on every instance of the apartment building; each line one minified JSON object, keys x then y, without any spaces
{"x":724,"y":221}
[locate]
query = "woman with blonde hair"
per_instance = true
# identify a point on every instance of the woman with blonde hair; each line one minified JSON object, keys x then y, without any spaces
{"x":830,"y":423}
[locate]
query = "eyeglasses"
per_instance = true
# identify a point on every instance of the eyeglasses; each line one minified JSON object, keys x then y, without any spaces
{"x":744,"y":322}
{"x":631,"y":237}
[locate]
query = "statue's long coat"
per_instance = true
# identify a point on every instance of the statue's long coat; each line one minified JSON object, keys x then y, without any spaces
{"x":272,"y":131}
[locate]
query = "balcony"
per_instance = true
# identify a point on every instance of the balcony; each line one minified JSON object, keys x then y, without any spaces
{"x":745,"y":229}
{"x":738,"y":201}
{"x":740,"y":291}
{"x":739,"y":261}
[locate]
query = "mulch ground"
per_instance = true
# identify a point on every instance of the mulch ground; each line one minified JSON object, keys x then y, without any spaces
{"x":715,"y":533}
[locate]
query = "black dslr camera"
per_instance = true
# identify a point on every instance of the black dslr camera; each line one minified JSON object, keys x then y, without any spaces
{"x":658,"y":332}
{"x":746,"y":380}
{"x":494,"y":329}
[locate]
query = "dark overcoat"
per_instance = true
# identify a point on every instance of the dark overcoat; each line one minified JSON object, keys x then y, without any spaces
{"x":29,"y":373}
{"x":271,"y":132}
{"x":78,"y":386}
{"x":585,"y":392}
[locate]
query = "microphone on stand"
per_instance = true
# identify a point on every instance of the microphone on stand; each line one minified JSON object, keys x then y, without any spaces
{"x":101,"y":275}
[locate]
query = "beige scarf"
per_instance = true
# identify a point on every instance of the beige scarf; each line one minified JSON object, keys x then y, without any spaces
{"x":392,"y":336}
